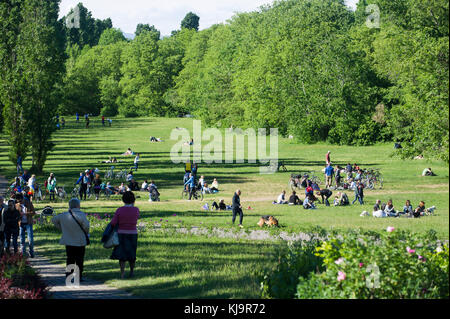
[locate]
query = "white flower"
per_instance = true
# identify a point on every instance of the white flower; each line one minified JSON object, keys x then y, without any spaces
{"x":439,"y":249}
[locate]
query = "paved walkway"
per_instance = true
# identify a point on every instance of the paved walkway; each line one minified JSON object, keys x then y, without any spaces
{"x":54,"y":276}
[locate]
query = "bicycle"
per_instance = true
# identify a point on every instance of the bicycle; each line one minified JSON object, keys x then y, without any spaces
{"x":122,"y":175}
{"x":76,"y":192}
{"x":197,"y":194}
{"x":109,"y":174}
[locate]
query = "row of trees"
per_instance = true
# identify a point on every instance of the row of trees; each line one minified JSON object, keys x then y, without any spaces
{"x":313,"y":68}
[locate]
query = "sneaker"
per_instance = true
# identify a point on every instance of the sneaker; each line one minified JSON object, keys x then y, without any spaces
{"x":241,"y":226}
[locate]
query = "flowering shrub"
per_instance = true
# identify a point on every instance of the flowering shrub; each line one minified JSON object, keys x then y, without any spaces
{"x":18,"y":280}
{"x":396,"y":264}
{"x":355,"y":264}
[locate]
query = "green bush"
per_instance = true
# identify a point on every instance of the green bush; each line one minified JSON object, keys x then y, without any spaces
{"x":296,"y":259}
{"x":397,"y":264}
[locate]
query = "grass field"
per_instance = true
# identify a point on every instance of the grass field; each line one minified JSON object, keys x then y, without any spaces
{"x":185,"y":266}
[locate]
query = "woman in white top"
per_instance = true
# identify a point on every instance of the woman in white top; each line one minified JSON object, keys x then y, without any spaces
{"x":215,"y":185}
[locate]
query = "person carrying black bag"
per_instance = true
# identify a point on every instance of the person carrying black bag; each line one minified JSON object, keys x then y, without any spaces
{"x":75,"y":234}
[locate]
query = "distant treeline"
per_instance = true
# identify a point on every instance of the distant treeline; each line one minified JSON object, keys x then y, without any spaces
{"x":315,"y":69}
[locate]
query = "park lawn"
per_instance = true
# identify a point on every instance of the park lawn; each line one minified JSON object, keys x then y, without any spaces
{"x":184,"y":266}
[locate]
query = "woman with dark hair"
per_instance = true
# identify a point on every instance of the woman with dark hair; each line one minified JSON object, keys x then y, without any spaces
{"x":125,"y":218}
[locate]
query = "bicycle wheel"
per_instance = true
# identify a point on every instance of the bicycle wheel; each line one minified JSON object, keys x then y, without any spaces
{"x":380,"y":180}
{"x":184,"y":194}
{"x":200,"y":195}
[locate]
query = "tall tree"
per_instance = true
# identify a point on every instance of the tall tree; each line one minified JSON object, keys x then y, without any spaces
{"x":11,"y":87}
{"x":32,"y":55}
{"x":190,"y":21}
{"x":145,"y":27}
{"x":40,"y":49}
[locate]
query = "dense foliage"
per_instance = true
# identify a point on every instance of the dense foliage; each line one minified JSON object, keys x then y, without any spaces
{"x":314,"y":69}
{"x":18,"y":280}
{"x":395,"y":264}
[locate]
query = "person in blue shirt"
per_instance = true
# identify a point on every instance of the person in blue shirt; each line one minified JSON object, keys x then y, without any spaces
{"x":329,"y":171}
{"x":78,"y":117}
{"x":191,"y":183}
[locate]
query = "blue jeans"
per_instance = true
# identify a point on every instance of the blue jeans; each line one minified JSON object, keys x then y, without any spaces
{"x":359,"y":198}
{"x":29,"y":230}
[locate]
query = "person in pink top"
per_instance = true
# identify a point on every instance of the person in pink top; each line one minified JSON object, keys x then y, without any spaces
{"x":327,"y":158}
{"x":125,"y":218}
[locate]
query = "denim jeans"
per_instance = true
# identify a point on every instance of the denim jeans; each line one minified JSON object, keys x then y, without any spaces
{"x":359,"y":198}
{"x":28,"y":228}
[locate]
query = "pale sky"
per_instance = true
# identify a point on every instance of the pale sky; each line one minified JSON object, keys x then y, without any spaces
{"x":165,"y":15}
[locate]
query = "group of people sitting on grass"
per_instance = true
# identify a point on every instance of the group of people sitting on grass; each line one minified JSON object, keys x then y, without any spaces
{"x":388,"y":210}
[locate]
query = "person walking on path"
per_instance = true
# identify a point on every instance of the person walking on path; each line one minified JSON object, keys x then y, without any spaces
{"x":74,"y":226}
{"x":237,"y":208}
{"x":26,"y":223}
{"x":11,"y":218}
{"x":359,"y":193}
{"x":191,"y":183}
{"x":327,"y":158}
{"x":78,"y":117}
{"x":125,"y":218}
{"x":103,"y":120}
{"x":329,"y":171}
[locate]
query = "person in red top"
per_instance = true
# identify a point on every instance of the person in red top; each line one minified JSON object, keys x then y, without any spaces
{"x":103,"y":120}
{"x":327,"y":158}
{"x":125,"y":220}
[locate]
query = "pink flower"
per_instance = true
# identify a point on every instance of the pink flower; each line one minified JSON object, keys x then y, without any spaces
{"x":422,"y":258}
{"x":339,"y":261}
{"x":360,"y":265}
{"x":341,"y":276}
{"x":390,"y":229}
{"x":409,"y":250}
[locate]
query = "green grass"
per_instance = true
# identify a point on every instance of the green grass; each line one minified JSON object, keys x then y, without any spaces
{"x":183,"y":266}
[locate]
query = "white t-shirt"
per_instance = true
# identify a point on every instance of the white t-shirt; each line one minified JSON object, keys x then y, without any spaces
{"x":280,"y":198}
{"x":379,"y":214}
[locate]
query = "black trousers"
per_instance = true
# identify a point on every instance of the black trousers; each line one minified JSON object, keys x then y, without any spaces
{"x":83,"y":189}
{"x":75,"y":255}
{"x":237,"y":211}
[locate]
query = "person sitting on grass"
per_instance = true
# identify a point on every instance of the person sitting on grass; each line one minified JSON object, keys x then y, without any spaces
{"x":144,"y":186}
{"x":129,"y":152}
{"x":122,"y":188}
{"x":428,"y":172}
{"x":378,"y":212}
{"x":308,"y":203}
{"x":111,"y":189}
{"x":133,"y":185}
{"x":220,"y":206}
{"x":206,"y":189}
{"x":215,"y":186}
{"x":294,"y":199}
{"x":325,"y":194}
{"x":390,"y":210}
{"x":408,"y":209}
{"x":282,"y":198}
{"x":420,"y":210}
{"x":130,"y":176}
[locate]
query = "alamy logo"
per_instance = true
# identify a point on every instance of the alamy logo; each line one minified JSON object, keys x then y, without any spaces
{"x":73,"y":279}
{"x":230,"y":147}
